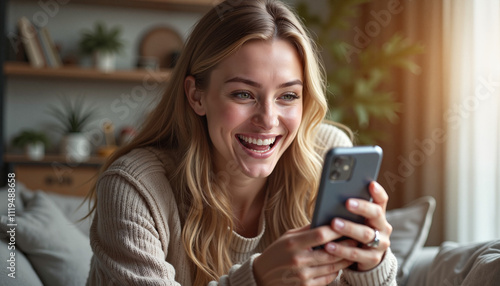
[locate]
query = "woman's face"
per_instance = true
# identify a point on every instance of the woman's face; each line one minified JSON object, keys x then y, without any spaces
{"x":253,"y":106}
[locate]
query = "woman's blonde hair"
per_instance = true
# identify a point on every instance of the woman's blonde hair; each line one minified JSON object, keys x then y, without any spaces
{"x":203,"y":201}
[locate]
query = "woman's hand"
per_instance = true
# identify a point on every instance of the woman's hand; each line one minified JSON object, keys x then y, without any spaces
{"x":367,"y":258}
{"x":291,"y":259}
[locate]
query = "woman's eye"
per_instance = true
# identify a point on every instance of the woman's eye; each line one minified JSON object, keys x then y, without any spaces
{"x":289,"y":96}
{"x":242,"y":95}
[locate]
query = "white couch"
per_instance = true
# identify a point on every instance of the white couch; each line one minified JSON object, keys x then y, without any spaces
{"x":52,"y":245}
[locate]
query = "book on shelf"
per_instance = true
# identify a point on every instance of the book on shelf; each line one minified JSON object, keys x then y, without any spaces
{"x":38,"y":44}
{"x":44,"y":46}
{"x":50,"y":51}
{"x":32,"y":46}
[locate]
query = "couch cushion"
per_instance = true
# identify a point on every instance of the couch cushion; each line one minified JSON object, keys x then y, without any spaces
{"x":466,"y":264}
{"x":24,"y":274}
{"x":411,"y":226}
{"x":4,"y":200}
{"x":74,"y":208}
{"x":422,"y":266}
{"x":57,"y":250}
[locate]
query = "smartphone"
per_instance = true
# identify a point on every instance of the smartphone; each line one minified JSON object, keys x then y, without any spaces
{"x":347,"y":173}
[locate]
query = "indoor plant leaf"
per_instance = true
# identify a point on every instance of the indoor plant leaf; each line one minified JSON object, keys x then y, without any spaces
{"x":358,"y":78}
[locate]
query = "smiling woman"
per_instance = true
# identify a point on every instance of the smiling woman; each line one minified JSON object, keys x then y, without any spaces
{"x":254,"y":95}
{"x":219,"y":185}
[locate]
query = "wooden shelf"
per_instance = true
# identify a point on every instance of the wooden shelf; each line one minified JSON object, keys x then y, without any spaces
{"x":73,"y":72}
{"x":52,"y":158}
{"x":54,"y":174}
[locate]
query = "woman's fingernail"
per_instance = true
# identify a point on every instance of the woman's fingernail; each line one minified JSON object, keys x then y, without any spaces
{"x":339,"y":224}
{"x":353,"y":204}
{"x":376,"y":187}
{"x":331,"y":247}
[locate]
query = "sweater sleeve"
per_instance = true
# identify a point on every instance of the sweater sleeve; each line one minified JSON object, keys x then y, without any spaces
{"x":382,"y":275}
{"x":239,"y":275}
{"x":124,"y":239}
{"x":330,"y":136}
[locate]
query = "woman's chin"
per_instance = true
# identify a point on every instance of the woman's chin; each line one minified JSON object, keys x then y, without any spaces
{"x":258,"y":171}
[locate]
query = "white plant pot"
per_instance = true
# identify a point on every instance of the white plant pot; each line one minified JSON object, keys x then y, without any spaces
{"x":35,"y":151}
{"x":105,"y":61}
{"x":75,"y":147}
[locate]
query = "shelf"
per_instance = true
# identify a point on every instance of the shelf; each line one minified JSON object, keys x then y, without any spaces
{"x":52,"y":159}
{"x":73,"y":72}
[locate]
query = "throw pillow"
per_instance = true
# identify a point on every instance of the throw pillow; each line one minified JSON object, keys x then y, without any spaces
{"x":15,"y":270}
{"x":74,"y":209}
{"x":4,"y":199}
{"x":411,"y":226}
{"x":57,"y":250}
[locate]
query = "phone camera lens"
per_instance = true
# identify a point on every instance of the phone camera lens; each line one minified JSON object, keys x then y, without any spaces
{"x":334,"y":175}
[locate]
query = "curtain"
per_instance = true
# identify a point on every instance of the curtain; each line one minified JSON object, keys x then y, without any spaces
{"x":447,"y":141}
{"x":472,"y":83}
{"x":414,"y":157}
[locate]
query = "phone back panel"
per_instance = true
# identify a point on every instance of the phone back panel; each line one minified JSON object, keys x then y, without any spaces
{"x":349,"y":182}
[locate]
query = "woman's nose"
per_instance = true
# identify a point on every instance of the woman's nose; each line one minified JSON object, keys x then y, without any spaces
{"x":266,"y":117}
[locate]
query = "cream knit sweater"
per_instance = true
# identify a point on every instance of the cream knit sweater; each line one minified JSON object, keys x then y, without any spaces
{"x":136,"y":231}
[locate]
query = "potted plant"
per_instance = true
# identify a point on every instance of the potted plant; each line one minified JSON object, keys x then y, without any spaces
{"x":358,"y":76}
{"x":73,"y":117}
{"x":33,"y":142}
{"x":102,"y":44}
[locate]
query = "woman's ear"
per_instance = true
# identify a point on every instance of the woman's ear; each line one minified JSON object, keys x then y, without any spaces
{"x":194,"y":96}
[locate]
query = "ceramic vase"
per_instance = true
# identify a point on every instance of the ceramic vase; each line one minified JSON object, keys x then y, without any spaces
{"x":35,"y":151}
{"x":105,"y":61}
{"x":75,"y":147}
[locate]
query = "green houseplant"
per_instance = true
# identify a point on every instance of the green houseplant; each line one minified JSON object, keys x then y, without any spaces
{"x":34,"y":143}
{"x":73,"y":118}
{"x":358,"y":76}
{"x":103,"y":44}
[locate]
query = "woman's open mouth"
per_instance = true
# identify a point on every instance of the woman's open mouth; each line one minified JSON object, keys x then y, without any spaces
{"x":258,"y":145}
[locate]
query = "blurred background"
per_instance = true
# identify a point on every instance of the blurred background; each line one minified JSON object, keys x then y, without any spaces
{"x":419,"y":78}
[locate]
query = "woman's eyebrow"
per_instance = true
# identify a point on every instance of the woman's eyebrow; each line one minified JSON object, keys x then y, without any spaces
{"x":290,"y":83}
{"x":258,"y":85}
{"x":245,"y":81}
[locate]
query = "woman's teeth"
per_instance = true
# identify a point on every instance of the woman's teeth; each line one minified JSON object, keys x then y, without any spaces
{"x":258,"y":142}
